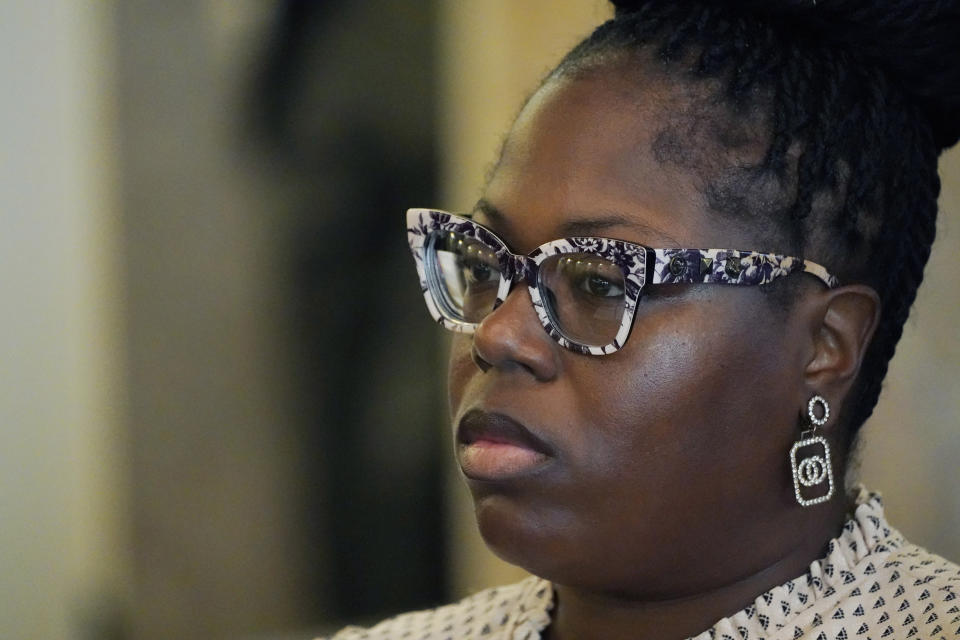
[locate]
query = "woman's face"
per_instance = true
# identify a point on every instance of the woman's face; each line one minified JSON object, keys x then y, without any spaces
{"x":669,"y":469}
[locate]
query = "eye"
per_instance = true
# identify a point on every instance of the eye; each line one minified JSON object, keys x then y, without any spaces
{"x":597,"y":285}
{"x":478,"y":272}
{"x":478,"y":266}
{"x":591,"y":278}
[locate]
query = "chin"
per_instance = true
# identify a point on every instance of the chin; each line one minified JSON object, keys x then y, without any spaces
{"x":535,"y":542}
{"x":548,"y":543}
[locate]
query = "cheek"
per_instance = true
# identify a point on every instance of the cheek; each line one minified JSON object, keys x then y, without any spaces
{"x":685,"y":392}
{"x":693,"y":420}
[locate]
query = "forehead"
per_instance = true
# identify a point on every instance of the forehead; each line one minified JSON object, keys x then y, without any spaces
{"x":586,"y":148}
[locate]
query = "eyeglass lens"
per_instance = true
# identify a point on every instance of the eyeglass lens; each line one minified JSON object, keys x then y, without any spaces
{"x":466,"y":275}
{"x":584,"y":296}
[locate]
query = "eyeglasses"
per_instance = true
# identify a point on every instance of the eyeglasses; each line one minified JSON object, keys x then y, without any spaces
{"x":584,"y":290}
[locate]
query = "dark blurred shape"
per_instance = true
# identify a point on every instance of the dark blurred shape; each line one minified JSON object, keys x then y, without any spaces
{"x":344,"y":105}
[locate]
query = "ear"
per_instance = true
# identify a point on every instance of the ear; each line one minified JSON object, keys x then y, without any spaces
{"x":842,"y":328}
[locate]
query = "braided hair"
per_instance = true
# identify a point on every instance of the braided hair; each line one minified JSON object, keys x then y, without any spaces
{"x":857,"y":98}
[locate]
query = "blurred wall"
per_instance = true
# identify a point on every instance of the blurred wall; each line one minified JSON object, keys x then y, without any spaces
{"x":279,"y":412}
{"x":167,"y":275}
{"x":64,"y":553}
{"x":345,"y":108}
{"x":216,"y":542}
{"x":495,"y":52}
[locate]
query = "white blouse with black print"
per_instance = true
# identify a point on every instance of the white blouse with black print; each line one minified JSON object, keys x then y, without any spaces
{"x":872,"y":584}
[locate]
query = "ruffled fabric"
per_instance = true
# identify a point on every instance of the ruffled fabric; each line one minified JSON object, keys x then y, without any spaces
{"x":534,"y":609}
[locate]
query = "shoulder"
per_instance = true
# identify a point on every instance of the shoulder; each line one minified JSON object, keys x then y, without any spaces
{"x":911,"y":593}
{"x":894,"y":588}
{"x":912,"y":572}
{"x":490,"y":613}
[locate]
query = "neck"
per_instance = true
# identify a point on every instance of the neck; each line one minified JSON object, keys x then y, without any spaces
{"x":580,"y":614}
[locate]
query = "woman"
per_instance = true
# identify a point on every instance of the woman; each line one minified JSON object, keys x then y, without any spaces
{"x":676,"y":302}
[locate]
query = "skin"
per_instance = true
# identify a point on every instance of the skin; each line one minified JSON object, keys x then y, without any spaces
{"x":669,"y":504}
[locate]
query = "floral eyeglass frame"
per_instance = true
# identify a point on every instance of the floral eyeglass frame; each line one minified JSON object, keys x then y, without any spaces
{"x":642,"y":266}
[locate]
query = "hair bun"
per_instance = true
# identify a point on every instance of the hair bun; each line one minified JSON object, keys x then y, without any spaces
{"x":916,"y":41}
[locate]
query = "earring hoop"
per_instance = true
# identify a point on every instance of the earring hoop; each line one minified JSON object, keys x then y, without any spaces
{"x":814,"y":466}
{"x":814,"y":401}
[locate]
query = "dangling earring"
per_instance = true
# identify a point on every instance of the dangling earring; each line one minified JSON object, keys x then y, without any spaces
{"x":814,"y":467}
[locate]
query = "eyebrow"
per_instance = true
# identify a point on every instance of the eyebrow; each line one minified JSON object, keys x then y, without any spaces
{"x":587,"y":226}
{"x":495,"y":216}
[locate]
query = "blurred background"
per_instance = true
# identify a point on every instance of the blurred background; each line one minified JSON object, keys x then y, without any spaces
{"x":222,"y":409}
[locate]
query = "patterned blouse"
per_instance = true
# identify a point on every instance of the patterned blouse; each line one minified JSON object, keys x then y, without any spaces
{"x":872,"y":584}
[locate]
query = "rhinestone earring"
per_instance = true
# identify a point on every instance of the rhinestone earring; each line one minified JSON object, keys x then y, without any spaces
{"x":812,"y":467}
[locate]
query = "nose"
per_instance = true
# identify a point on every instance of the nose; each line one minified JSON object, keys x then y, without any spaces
{"x":512,"y":338}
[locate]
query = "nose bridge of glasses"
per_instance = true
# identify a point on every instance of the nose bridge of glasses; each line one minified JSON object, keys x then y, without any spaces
{"x":516,"y":268}
{"x":523,"y":269}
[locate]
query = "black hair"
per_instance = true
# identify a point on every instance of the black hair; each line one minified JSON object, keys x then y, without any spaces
{"x":857,"y":99}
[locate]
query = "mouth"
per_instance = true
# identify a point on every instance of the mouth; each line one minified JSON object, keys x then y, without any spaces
{"x":492,"y":446}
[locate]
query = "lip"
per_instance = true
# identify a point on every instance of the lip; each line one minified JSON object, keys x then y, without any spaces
{"x":493,"y":446}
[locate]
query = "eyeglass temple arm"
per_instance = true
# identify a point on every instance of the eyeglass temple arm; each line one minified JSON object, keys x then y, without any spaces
{"x":726,"y":266}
